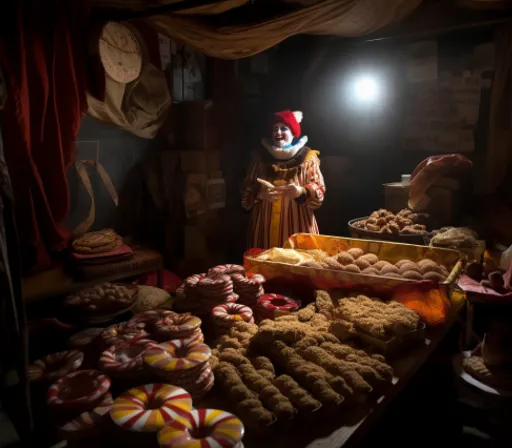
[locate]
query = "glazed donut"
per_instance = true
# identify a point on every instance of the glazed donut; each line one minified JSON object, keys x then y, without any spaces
{"x":54,"y":366}
{"x":126,"y":359}
{"x":226,"y":269}
{"x":223,"y":430}
{"x":84,"y":338}
{"x":147,"y":408}
{"x":122,"y":332}
{"x":270,"y":306}
{"x":174,"y":358}
{"x":229,"y":313}
{"x":79,"y":391}
{"x":86,"y":421}
{"x":176,"y":326}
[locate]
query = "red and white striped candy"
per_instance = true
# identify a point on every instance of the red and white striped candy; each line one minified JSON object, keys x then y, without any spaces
{"x":232,"y":312}
{"x":274,"y":305}
{"x":226,"y":269}
{"x":84,"y":338}
{"x":56,"y":365}
{"x":88,"y":419}
{"x":122,"y":332}
{"x":79,"y":389}
{"x":124,"y":359}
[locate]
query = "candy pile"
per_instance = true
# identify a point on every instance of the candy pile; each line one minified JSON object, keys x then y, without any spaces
{"x":405,"y":222}
{"x":226,"y":315}
{"x":221,"y":284}
{"x":78,"y":401}
{"x":184,"y":363}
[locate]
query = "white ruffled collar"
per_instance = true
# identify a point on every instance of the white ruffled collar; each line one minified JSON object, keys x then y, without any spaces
{"x":284,"y":153}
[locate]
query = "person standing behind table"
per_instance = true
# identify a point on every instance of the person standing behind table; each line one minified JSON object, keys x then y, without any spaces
{"x":293,"y":185}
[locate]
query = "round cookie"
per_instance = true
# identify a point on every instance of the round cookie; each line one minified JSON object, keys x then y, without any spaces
{"x":148,"y":408}
{"x":203,"y":428}
{"x":356,"y":252}
{"x":273,"y":305}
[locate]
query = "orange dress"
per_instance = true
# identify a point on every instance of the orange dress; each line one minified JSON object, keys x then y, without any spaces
{"x":271,"y":223}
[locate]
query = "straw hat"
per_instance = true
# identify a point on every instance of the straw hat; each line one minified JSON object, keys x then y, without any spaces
{"x":120,"y":52}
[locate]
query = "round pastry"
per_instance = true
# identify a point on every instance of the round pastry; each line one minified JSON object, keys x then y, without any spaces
{"x":228,"y":313}
{"x":87,"y":420}
{"x":370,"y":271}
{"x":176,"y":326}
{"x":333,"y":263}
{"x":352,"y":268}
{"x":226,"y":269}
{"x":105,"y":240}
{"x":79,"y":391}
{"x":271,"y":306}
{"x":370,"y":258}
{"x":122,"y":332}
{"x":125,"y":359}
{"x":197,"y":388}
{"x":426,"y":261}
{"x":345,"y":258}
{"x":389,"y":269}
{"x":412,"y":275}
{"x":400,"y":263}
{"x":148,"y":408}
{"x":361,"y":263}
{"x":54,"y":366}
{"x":433,"y":276}
{"x":380,"y":264}
{"x":84,"y":338}
{"x":411,"y":266}
{"x":203,"y":428}
{"x":173,"y":358}
{"x":356,"y":252}
{"x":430,"y":267}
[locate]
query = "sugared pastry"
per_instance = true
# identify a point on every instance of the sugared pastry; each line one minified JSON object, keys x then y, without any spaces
{"x":84,"y":338}
{"x":148,"y":408}
{"x":87,"y":421}
{"x":125,"y":359}
{"x":203,"y":428}
{"x":102,"y":299}
{"x":226,"y":269}
{"x":122,"y":332}
{"x":174,"y":358}
{"x":78,"y":391}
{"x":54,"y":366}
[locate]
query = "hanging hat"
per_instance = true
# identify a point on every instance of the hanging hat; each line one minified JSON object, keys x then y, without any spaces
{"x":290,"y":119}
{"x":120,"y":52}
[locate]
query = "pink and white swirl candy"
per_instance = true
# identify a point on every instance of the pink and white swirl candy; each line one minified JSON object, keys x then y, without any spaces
{"x":226,"y":269}
{"x":54,"y":366}
{"x":122,"y":332}
{"x":87,"y":420}
{"x":270,"y":306}
{"x":126,"y":359}
{"x":231,"y":313}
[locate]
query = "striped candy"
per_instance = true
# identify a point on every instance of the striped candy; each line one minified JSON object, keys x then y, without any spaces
{"x":87,"y":420}
{"x":226,"y":430}
{"x":91,"y":384}
{"x":184,"y":323}
{"x":132,"y":409}
{"x":226,"y":269}
{"x":177,"y":355}
{"x":232,"y":312}
{"x":44,"y":368}
{"x":122,"y":332}
{"x":84,"y":337}
{"x":125,"y":358}
{"x":271,"y":306}
{"x":150,"y":317}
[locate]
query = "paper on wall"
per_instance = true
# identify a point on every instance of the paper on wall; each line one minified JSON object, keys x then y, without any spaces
{"x":421,"y":64}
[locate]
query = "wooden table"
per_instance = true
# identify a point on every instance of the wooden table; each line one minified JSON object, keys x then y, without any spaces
{"x":55,"y":282}
{"x":357,"y":422}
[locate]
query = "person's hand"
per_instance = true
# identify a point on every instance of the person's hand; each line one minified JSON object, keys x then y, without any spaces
{"x":291,"y":191}
{"x":268,"y":194}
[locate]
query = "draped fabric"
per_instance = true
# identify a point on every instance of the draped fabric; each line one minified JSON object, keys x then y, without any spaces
{"x":498,"y":156}
{"x":45,"y":75}
{"x":272,"y":223}
{"x":348,"y":18}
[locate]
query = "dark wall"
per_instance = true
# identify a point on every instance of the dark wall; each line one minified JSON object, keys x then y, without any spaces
{"x":121,"y":154}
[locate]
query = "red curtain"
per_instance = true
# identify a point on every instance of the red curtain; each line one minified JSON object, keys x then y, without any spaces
{"x":42,"y":53}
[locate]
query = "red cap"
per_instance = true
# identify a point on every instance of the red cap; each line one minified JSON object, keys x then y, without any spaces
{"x":288,"y":118}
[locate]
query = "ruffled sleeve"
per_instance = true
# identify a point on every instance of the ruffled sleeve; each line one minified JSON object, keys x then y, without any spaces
{"x":314,"y":182}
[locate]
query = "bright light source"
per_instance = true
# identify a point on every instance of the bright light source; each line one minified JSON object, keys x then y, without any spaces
{"x":366,"y":89}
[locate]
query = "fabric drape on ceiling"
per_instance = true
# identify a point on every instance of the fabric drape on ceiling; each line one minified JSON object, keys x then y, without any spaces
{"x":348,"y":18}
{"x":45,"y":75}
{"x":141,"y":5}
{"x":498,"y":156}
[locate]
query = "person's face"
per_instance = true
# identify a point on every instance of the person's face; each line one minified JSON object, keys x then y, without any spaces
{"x":281,"y":135}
